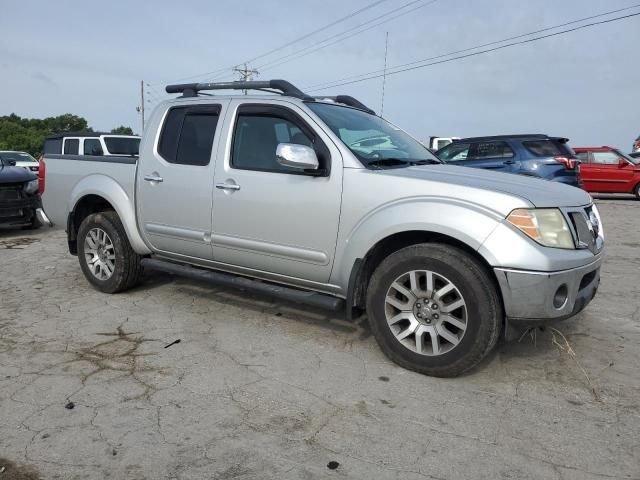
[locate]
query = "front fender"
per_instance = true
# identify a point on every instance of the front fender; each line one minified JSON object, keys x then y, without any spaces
{"x":468,"y":223}
{"x":109,"y":189}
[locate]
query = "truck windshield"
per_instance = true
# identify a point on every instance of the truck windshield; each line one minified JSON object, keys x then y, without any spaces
{"x":122,"y":145}
{"x":374,"y":141}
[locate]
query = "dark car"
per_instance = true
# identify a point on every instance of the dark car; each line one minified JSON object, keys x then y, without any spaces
{"x":19,"y":197}
{"x":533,"y":155}
{"x":636,"y":145}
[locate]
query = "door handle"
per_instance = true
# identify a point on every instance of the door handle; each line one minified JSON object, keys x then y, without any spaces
{"x":508,"y":162}
{"x":227,"y":186}
{"x":153,"y":178}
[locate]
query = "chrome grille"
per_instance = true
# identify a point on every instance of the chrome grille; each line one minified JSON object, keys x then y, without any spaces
{"x":587,"y":229}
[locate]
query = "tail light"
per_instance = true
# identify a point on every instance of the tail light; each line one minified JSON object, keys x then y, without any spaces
{"x":568,"y":162}
{"x":41,"y":175}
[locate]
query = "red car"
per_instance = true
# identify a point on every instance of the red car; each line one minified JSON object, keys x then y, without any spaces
{"x":608,"y":170}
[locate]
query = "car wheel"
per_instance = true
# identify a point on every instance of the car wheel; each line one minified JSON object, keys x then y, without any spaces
{"x":636,"y":191}
{"x":105,"y":254}
{"x":434,"y":309}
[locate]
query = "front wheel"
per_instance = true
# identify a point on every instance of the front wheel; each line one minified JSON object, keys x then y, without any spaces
{"x":105,"y":254}
{"x":434,"y":309}
{"x":636,"y":191}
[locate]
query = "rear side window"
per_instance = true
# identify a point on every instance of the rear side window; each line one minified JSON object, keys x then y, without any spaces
{"x":71,"y":146}
{"x":454,"y":152}
{"x":547,"y":148}
{"x":92,"y":146}
{"x":487,"y":150}
{"x":188,"y":133}
{"x":53,"y":146}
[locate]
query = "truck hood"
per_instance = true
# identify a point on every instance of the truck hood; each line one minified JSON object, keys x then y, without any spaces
{"x":540,"y":193}
{"x":15,"y":175}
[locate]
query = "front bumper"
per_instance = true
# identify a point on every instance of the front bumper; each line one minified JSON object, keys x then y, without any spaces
{"x":536,"y":298}
{"x":19,"y":212}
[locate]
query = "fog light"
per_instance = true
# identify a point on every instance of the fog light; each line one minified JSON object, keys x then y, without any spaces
{"x":560,"y":297}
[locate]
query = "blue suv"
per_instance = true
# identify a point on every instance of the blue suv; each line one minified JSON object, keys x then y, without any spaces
{"x":534,"y":155}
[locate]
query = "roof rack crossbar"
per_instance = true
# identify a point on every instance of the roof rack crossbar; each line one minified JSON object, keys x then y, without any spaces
{"x":192,"y":89}
{"x":347,"y":100}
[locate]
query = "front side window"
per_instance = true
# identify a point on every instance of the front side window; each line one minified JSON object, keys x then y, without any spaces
{"x":188,"y":133}
{"x":454,"y":152}
{"x":92,"y":146}
{"x":583,"y":157}
{"x":489,"y":150}
{"x":605,"y":158}
{"x":71,"y":146}
{"x":257,"y":133}
{"x":373,"y":140}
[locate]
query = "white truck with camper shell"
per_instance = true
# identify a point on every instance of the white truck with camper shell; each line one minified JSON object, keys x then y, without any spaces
{"x":319,"y":201}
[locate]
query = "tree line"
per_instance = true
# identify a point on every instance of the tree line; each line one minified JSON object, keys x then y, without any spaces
{"x":28,"y":134}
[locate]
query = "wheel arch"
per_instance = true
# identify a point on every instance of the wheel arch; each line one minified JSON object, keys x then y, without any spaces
{"x":364,"y":267}
{"x":97,"y":193}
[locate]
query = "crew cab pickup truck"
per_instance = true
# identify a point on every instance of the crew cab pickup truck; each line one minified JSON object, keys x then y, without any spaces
{"x":284,"y":195}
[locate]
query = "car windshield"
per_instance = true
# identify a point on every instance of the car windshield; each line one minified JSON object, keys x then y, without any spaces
{"x":122,"y":145}
{"x":374,"y":141}
{"x":7,"y":157}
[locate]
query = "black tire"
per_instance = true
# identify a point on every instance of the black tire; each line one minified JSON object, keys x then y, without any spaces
{"x":484,"y":308}
{"x":636,"y":191}
{"x":127,"y":271}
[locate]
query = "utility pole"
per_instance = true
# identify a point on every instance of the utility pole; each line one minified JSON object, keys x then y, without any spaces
{"x":384,"y":75}
{"x":140,"y":108}
{"x":246,"y":74}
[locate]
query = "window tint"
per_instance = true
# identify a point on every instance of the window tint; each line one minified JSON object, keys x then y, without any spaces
{"x":605,"y":158}
{"x":454,"y":152}
{"x":482,"y":151}
{"x":256,"y":138}
{"x":187,"y":135}
{"x":123,"y":145}
{"x":71,"y":146}
{"x":92,"y":147}
{"x":546,"y":148}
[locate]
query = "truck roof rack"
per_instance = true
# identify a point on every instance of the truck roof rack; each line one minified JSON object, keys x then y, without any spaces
{"x":347,"y":100}
{"x":280,"y":86}
{"x":271,"y":86}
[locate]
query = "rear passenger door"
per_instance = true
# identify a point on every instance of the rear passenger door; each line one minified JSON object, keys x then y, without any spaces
{"x":175,"y":180}
{"x":496,"y":156}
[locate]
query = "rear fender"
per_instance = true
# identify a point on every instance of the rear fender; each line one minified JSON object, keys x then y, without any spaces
{"x":107,"y":188}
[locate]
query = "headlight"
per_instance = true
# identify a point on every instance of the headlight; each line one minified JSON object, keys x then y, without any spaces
{"x":546,"y":226}
{"x":31,"y":187}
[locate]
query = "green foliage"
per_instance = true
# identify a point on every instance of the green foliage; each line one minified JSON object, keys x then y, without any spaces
{"x":122,"y":130}
{"x":27,"y":134}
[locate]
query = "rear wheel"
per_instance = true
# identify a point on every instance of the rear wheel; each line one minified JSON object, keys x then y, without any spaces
{"x":434,"y":309}
{"x":105,"y":254}
{"x":636,"y":191}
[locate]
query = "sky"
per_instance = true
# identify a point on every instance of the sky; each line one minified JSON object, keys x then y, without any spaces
{"x":88,"y":58}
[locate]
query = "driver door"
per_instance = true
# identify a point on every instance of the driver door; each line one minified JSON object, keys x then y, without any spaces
{"x":269,"y":217}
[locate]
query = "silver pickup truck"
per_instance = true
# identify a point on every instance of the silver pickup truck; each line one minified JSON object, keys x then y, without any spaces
{"x":319,"y":201}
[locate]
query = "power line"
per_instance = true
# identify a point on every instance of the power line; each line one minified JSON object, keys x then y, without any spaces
{"x":323,"y":43}
{"x":219,"y":71}
{"x":329,"y":25}
{"x":371,"y":77}
{"x":328,"y":84}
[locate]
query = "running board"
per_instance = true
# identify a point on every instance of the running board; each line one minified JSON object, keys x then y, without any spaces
{"x":314,"y":299}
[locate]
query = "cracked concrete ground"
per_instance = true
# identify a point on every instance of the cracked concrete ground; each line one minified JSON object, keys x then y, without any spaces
{"x":262,"y":389}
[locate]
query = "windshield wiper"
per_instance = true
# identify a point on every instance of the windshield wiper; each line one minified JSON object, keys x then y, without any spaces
{"x":387,"y":162}
{"x":425,"y":162}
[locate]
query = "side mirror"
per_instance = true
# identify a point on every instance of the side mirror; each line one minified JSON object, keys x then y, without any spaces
{"x":297,"y":156}
{"x":622,"y":163}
